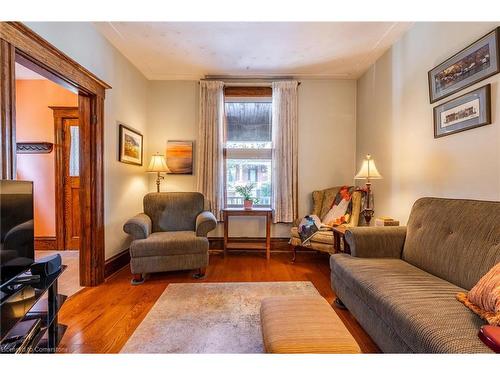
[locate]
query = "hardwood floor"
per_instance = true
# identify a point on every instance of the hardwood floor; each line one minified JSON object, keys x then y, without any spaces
{"x":102,"y":318}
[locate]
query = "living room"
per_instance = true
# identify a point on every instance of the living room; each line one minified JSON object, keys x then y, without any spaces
{"x":252,"y":187}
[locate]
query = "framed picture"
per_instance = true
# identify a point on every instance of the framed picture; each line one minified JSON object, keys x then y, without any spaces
{"x":468,"y":111}
{"x":179,"y":157}
{"x":130,"y":146}
{"x":471,"y":65}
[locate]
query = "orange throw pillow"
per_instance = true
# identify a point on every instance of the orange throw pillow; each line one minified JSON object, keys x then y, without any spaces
{"x":484,"y":297}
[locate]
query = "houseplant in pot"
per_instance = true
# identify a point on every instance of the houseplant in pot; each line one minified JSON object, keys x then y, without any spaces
{"x":246,"y":192}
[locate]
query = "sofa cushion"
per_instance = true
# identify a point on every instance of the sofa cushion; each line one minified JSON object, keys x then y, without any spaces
{"x":419,"y":307}
{"x":169,"y":243}
{"x":457,"y":240}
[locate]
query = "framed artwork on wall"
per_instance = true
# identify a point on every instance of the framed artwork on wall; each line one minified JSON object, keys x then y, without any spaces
{"x":465,"y":112}
{"x":130,"y":146}
{"x":179,"y":157}
{"x":469,"y":66}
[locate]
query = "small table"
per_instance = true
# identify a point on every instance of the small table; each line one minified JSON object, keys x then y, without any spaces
{"x":266,"y":212}
{"x":339,"y":235}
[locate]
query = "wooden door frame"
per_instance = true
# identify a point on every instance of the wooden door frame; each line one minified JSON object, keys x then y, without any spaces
{"x":60,"y":114}
{"x":17,"y":40}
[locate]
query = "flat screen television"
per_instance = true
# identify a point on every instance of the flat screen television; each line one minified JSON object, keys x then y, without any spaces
{"x":17,"y":242}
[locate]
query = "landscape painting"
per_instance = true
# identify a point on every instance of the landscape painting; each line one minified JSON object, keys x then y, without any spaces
{"x":468,"y":111}
{"x":130,"y":149}
{"x":473,"y":64}
{"x":179,"y":157}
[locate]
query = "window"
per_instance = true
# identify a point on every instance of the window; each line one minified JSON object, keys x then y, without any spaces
{"x":248,"y":148}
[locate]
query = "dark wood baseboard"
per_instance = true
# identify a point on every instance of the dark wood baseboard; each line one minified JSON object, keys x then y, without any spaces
{"x":45,"y":243}
{"x":116,"y":263}
{"x":277,"y":243}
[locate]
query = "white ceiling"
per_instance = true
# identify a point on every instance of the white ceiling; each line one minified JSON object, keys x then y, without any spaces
{"x":191,"y":50}
{"x":23,"y":73}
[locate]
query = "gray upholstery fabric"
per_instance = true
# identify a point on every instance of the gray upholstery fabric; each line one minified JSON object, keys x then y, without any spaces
{"x":405,"y":309}
{"x":169,"y":243}
{"x":173,"y":211}
{"x":205,"y":222}
{"x":455,"y":239}
{"x":376,"y":242}
{"x":138,"y":227}
{"x":171,"y":234}
{"x":168,"y":263}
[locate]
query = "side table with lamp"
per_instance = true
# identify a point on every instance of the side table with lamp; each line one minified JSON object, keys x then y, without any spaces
{"x":158,"y":164}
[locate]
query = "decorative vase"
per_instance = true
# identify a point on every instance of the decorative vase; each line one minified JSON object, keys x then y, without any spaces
{"x":247,"y":204}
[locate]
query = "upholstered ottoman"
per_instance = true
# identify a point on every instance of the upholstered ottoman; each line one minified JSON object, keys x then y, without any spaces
{"x":303,"y":324}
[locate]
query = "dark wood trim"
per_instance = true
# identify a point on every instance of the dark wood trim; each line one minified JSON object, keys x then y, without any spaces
{"x":42,"y":53}
{"x":7,"y":111}
{"x":60,"y":113}
{"x":248,"y":91}
{"x":91,"y":191}
{"x":19,"y":40}
{"x":46,"y":243}
{"x":278,"y":244}
{"x":116,"y":263}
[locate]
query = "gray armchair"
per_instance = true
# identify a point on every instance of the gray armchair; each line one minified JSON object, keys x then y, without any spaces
{"x":170,"y":235}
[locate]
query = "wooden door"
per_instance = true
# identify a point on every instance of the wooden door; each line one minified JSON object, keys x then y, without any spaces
{"x":71,"y":138}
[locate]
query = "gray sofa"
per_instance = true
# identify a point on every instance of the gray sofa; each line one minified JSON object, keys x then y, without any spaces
{"x":170,"y":235}
{"x":400,"y":282}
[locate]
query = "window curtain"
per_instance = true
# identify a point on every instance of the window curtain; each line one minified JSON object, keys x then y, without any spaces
{"x":209,"y":163}
{"x":285,"y":146}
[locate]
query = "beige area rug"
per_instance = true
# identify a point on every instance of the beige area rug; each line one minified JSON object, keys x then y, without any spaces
{"x":209,"y":318}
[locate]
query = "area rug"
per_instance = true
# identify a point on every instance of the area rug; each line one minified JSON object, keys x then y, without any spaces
{"x":209,"y":318}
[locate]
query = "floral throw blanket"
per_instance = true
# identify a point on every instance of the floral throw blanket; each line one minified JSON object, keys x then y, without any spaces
{"x":339,"y":213}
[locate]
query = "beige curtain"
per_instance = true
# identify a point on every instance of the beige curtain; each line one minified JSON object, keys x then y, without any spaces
{"x":209,"y":161}
{"x":285,"y":146}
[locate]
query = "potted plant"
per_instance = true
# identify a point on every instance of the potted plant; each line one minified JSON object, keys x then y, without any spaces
{"x":246,"y":192}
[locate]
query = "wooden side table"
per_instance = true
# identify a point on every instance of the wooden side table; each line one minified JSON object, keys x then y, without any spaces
{"x":266,"y":212}
{"x":338,"y":236}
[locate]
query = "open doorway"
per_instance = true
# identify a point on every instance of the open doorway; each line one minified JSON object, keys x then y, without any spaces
{"x":20,"y":44}
{"x":47,"y":153}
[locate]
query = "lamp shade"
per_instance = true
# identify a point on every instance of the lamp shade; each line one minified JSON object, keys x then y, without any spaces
{"x":368,"y":170}
{"x":158,"y":164}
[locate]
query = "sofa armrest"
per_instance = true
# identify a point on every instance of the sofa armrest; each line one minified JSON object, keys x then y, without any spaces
{"x":205,"y":222}
{"x":139,"y":227}
{"x":376,"y":242}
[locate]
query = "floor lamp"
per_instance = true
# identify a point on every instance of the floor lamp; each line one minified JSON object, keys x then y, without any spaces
{"x":368,"y":172}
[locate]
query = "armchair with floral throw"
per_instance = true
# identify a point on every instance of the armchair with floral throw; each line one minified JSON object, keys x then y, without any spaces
{"x":323,"y":200}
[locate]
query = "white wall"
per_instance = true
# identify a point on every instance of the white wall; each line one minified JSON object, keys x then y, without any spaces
{"x":395,"y":125}
{"x":124,"y":184}
{"x":326,"y":139}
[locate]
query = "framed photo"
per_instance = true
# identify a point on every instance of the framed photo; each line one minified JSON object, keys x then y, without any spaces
{"x":468,"y":111}
{"x":471,"y":65}
{"x":179,"y":157}
{"x":130,"y":146}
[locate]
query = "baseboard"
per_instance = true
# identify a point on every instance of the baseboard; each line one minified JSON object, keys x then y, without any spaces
{"x":277,"y":243}
{"x":116,"y":263}
{"x":45,"y":243}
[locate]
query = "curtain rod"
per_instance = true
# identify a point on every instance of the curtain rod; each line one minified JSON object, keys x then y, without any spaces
{"x":246,"y":81}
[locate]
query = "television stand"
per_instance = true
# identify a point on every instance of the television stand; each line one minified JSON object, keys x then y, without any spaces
{"x":29,"y":312}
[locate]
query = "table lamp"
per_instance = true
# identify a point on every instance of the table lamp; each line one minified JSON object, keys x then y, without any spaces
{"x":369,"y":172}
{"x":158,"y":164}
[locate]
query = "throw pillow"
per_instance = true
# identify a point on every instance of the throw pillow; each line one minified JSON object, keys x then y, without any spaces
{"x":341,"y":209}
{"x":484,"y":298}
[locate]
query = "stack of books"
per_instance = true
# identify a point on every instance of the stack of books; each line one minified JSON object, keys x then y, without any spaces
{"x":386,"y":221}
